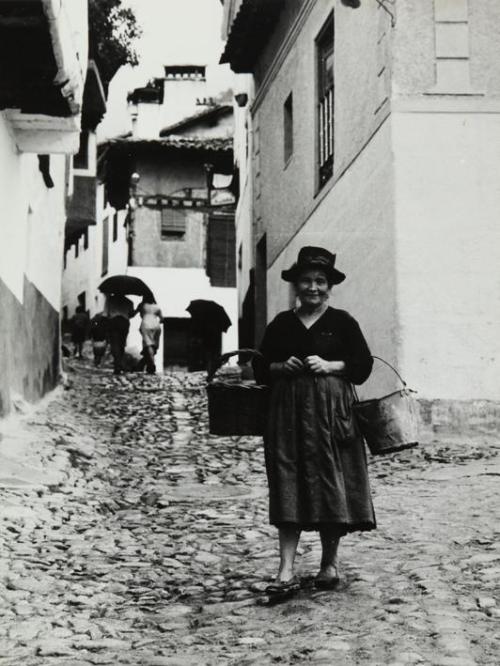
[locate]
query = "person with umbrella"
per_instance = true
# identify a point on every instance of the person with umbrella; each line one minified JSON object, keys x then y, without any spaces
{"x":150,"y":330}
{"x":120,"y":310}
{"x":208,"y":321}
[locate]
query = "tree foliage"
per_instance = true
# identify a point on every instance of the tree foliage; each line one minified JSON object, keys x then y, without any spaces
{"x":112,"y":32}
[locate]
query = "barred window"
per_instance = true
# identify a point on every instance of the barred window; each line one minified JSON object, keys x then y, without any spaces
{"x":324,"y":51}
{"x":173,"y":224}
{"x":288,"y":128}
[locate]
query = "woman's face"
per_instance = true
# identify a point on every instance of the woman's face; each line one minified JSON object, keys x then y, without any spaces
{"x":312,"y":288}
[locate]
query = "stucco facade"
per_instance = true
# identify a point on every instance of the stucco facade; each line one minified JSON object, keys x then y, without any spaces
{"x":176,"y":269}
{"x":413,"y":199}
{"x":180,"y":242}
{"x":32,"y":223}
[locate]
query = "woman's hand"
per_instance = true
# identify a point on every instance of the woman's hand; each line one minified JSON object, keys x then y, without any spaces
{"x":290,"y":367}
{"x":319,"y":366}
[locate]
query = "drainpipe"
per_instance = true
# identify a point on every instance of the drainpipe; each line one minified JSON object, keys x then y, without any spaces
{"x":132,"y":205}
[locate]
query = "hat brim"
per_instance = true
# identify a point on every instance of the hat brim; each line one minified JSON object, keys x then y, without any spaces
{"x":332,"y":274}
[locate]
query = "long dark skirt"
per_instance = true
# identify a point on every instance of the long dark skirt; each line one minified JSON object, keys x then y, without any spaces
{"x":315,"y":457}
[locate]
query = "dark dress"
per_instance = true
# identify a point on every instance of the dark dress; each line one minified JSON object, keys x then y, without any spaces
{"x":315,"y":457}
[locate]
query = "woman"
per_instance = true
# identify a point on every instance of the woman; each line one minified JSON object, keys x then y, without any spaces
{"x":150,"y":330}
{"x":315,"y":456}
{"x":79,"y":329}
{"x":99,"y":336}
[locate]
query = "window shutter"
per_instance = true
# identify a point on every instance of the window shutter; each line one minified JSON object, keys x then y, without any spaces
{"x":221,"y":251}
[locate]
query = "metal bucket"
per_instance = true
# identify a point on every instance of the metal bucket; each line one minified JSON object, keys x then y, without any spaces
{"x":390,"y":423}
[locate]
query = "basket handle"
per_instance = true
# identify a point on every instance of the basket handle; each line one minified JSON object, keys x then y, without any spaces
{"x":392,"y":368}
{"x":225,"y":357}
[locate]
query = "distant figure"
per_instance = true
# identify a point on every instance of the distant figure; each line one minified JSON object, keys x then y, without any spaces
{"x":208,"y":321}
{"x":150,"y":330}
{"x":99,"y":331}
{"x":79,"y":325}
{"x":119,"y":309}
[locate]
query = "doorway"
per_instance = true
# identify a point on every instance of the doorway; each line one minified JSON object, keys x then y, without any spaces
{"x":176,"y":341}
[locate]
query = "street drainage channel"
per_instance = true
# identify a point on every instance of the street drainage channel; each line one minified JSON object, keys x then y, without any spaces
{"x":185,"y":488}
{"x":215,"y":492}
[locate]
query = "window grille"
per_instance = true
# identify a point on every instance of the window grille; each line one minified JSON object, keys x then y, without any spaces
{"x":288,"y":128}
{"x":324,"y":49}
{"x":173,"y":224}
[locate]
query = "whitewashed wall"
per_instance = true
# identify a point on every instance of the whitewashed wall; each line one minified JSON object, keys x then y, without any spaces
{"x":447,"y":193}
{"x":32,"y":221}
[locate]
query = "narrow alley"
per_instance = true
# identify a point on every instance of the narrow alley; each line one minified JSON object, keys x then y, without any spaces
{"x":129,"y":535}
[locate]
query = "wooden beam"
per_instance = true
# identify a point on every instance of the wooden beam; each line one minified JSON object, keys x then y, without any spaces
{"x":21,"y":21}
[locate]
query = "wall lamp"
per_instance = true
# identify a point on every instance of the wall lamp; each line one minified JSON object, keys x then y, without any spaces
{"x":241,"y":99}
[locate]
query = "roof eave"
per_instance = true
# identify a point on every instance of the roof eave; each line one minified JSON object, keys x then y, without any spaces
{"x":249,"y":33}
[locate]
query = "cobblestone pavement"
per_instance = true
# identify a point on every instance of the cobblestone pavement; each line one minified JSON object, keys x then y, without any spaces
{"x":129,"y":535}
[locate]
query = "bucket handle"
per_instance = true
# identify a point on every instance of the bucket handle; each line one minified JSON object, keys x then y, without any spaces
{"x":225,"y":357}
{"x":392,"y":368}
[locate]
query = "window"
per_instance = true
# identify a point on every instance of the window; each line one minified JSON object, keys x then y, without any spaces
{"x":86,"y":239}
{"x":81,"y":159}
{"x":115,"y":226}
{"x":77,"y":247}
{"x":105,"y":245}
{"x":173,"y":224}
{"x":288,"y":128}
{"x":324,"y":54}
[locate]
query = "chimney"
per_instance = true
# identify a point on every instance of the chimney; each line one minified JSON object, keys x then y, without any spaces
{"x":184,"y":89}
{"x":144,"y":108}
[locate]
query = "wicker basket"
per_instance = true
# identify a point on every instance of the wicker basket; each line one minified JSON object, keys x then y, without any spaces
{"x":236,"y":407}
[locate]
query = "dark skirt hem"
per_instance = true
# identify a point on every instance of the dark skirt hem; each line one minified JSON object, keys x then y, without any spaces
{"x":341,"y":528}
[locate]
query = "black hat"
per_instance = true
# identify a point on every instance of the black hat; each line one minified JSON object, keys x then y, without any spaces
{"x":318,"y":258}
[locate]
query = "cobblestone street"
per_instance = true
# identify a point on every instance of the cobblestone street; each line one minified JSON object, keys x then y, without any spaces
{"x":129,"y":535}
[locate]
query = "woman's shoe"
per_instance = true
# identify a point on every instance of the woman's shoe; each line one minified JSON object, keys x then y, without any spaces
{"x":281,"y":588}
{"x":325,"y":581}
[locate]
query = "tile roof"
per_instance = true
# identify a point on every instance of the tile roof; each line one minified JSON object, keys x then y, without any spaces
{"x":176,"y":143}
{"x":213,"y":112}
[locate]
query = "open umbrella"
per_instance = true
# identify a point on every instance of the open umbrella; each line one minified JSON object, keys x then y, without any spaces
{"x":125,"y":284}
{"x":209,"y":312}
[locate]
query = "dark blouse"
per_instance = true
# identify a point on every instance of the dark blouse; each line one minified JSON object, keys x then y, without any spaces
{"x":335,"y":336}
